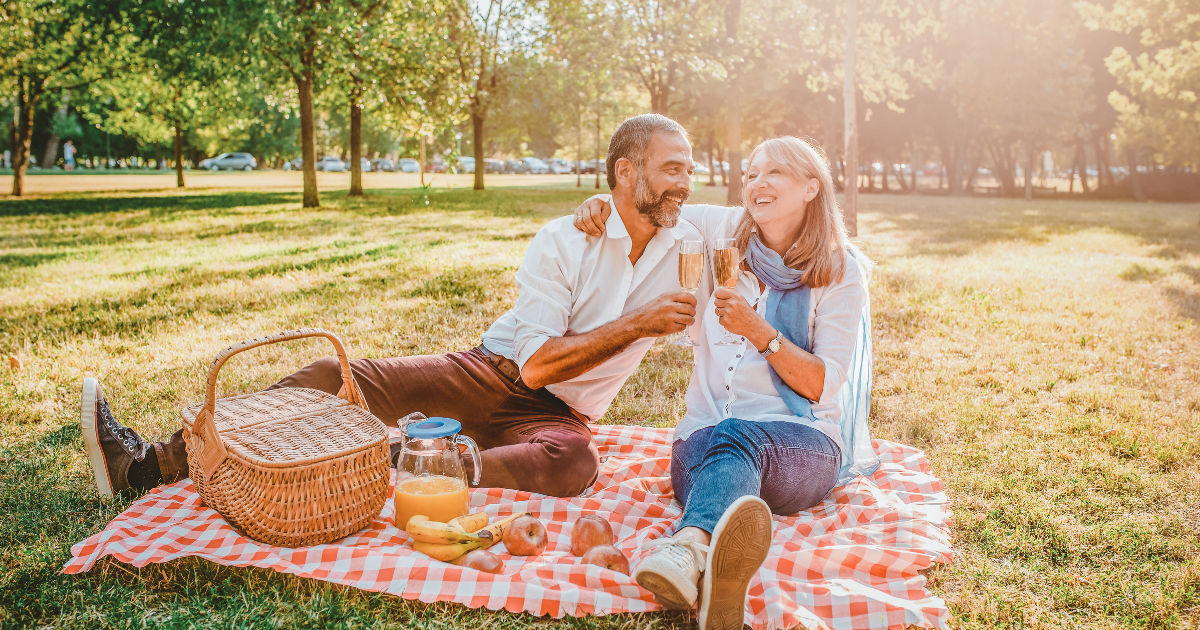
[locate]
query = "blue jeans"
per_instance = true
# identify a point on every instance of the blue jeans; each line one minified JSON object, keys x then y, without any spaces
{"x":791,"y":466}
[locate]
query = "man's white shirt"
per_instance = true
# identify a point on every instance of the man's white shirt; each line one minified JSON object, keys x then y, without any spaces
{"x":572,"y":281}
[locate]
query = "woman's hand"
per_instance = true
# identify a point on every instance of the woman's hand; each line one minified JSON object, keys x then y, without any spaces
{"x":739,"y":318}
{"x":591,"y":215}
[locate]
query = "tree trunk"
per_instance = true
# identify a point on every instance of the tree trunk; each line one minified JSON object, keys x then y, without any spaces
{"x":712,"y":173}
{"x":578,"y":152}
{"x":951,"y":160}
{"x":356,"y":189}
{"x":721,"y":165}
{"x":1139,"y":192}
{"x":598,"y":151}
{"x":900,"y":177}
{"x":849,"y":94}
{"x":1028,"y":168}
{"x":422,"y":159}
{"x":733,"y":128}
{"x":885,"y":167}
{"x":51,"y":153}
{"x":477,"y":150}
{"x":27,"y":95}
{"x":917,"y":161}
{"x":178,"y":154}
{"x":308,"y":145}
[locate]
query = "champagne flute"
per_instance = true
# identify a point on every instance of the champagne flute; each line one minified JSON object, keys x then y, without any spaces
{"x":727,"y":261}
{"x":691,"y":267}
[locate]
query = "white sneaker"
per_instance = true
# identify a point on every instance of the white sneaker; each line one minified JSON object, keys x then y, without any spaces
{"x":672,"y":571}
{"x":740,"y":542}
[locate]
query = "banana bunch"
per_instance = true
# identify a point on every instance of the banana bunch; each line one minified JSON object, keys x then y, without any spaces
{"x":449,"y":541}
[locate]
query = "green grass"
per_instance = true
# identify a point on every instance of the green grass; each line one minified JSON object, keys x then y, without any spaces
{"x":1045,"y":354}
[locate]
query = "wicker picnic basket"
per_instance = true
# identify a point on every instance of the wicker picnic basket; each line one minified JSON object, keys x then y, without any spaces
{"x":291,"y":467}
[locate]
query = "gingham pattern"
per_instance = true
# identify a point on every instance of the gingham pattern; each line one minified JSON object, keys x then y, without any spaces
{"x":851,"y":562}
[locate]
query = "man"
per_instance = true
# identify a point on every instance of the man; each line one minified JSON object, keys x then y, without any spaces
{"x":69,"y":155}
{"x":588,"y":310}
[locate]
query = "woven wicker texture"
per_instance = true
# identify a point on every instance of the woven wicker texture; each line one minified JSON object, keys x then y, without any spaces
{"x":289,"y":467}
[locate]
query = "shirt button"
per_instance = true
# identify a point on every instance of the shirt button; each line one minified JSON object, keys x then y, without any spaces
{"x":738,"y":356}
{"x":726,"y":387}
{"x":730,"y":369}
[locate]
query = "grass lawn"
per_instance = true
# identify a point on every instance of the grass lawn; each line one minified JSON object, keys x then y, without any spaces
{"x":1046,"y":355}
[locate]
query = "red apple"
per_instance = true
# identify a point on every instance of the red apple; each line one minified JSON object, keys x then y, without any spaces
{"x":526,"y":536}
{"x":483,"y":560}
{"x":590,"y":531}
{"x":609,"y":557}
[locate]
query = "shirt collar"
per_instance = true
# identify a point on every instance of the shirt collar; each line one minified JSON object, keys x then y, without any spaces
{"x":615,"y":227}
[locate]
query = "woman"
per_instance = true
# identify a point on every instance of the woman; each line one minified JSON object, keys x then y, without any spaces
{"x":776,"y":422}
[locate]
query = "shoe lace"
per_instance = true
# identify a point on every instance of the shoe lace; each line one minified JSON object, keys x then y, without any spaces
{"x":682,"y":551}
{"x":128,"y":438}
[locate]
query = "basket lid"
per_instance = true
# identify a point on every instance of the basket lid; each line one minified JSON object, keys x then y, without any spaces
{"x":431,"y":428}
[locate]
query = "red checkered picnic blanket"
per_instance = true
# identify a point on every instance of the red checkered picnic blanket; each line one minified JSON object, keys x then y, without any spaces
{"x":851,"y":562}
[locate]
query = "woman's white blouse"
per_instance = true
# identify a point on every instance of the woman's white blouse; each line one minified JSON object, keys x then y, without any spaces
{"x":735,"y":381}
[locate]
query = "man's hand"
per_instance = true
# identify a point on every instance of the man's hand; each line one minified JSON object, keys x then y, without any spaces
{"x":591,"y":215}
{"x":666,"y":314}
{"x":563,"y":358}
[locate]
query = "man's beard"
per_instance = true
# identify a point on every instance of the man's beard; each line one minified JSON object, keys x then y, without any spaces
{"x":656,"y":208}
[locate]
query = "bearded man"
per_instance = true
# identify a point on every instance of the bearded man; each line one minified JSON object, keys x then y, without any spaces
{"x":588,"y":310}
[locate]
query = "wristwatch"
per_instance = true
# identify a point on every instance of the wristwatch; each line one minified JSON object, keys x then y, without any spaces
{"x":773,"y":345}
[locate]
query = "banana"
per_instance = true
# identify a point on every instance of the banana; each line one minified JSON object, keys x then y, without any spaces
{"x":446,"y":552}
{"x":470,"y":522}
{"x":424,"y":530}
{"x":495,"y":531}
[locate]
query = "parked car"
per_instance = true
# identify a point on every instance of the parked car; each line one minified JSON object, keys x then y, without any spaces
{"x":466,"y":165}
{"x":435,"y":166}
{"x":230,"y":162}
{"x":589,"y":167}
{"x":531,"y":166}
{"x":297,"y":164}
{"x":383,"y":165}
{"x":510,"y":166}
{"x":560,"y":166}
{"x":699,"y":169}
{"x":365,"y":165}
{"x":331,"y":164}
{"x":493,"y":166}
{"x":409,"y":165}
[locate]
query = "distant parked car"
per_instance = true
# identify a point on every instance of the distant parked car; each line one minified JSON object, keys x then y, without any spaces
{"x":435,"y":166}
{"x":560,"y":166}
{"x":532,"y":166}
{"x":493,"y":166}
{"x":230,"y":162}
{"x":365,"y":165}
{"x":589,"y":167}
{"x":383,"y":165}
{"x":297,"y":164}
{"x":466,"y":165}
{"x":409,"y":165}
{"x":699,"y":169}
{"x":331,"y":164}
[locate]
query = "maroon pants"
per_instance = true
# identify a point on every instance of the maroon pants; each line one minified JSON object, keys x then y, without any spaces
{"x":529,"y":439}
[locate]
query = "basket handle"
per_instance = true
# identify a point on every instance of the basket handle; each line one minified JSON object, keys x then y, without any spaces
{"x":212,"y":450}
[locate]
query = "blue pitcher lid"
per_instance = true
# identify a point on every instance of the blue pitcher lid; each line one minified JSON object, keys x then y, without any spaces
{"x":431,"y":428}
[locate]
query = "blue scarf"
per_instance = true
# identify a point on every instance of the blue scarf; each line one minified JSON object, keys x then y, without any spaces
{"x":787,"y":311}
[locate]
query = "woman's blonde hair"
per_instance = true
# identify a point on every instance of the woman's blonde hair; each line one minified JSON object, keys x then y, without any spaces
{"x":822,"y":245}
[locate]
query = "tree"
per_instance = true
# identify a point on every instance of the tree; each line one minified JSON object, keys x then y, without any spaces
{"x":1156,"y":100}
{"x":56,"y":46}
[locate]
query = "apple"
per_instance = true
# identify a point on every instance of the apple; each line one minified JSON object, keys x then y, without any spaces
{"x":609,"y":557}
{"x":590,"y":531}
{"x":483,"y":560}
{"x":525,"y":536}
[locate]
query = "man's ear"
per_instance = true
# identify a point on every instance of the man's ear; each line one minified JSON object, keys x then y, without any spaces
{"x":626,"y":173}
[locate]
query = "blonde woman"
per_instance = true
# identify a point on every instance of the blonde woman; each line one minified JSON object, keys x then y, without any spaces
{"x":777,"y":420}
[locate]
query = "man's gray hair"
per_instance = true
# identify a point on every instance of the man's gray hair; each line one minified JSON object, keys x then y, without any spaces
{"x":632,"y":139}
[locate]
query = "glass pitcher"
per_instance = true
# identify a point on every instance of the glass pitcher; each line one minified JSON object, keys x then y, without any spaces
{"x":430,"y":476}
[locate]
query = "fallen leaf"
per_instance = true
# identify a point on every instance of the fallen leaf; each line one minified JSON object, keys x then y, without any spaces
{"x":14,"y":363}
{"x":1109,"y":432}
{"x":1166,"y":422}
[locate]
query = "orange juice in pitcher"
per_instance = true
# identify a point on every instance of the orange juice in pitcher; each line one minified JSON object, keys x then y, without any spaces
{"x":430,"y":476}
{"x":439,"y":497}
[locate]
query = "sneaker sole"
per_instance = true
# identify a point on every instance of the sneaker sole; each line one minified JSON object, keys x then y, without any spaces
{"x":741,"y":542}
{"x":91,"y":435}
{"x":665,"y":592}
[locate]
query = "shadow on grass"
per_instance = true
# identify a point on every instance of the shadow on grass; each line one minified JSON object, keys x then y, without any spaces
{"x":76,"y":205}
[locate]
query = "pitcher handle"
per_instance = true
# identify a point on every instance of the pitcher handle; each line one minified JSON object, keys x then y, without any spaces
{"x":471,"y":446}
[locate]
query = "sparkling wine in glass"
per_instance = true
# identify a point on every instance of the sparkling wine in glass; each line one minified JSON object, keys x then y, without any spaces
{"x":691,"y":267}
{"x":726,"y":262}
